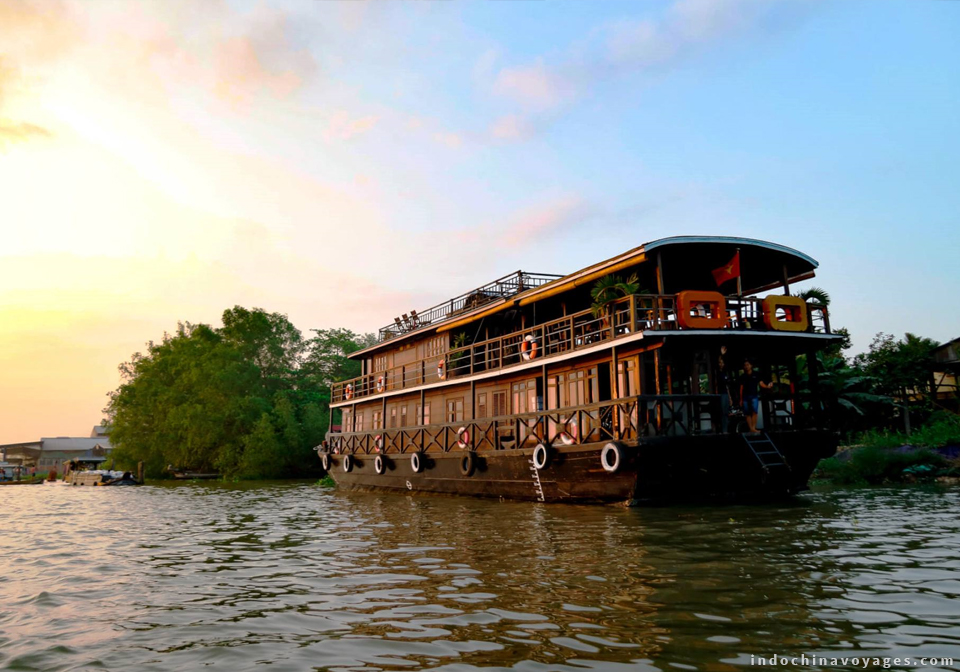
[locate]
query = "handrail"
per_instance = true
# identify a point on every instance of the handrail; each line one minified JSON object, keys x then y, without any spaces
{"x":508,"y":285}
{"x":631,"y":418}
{"x":628,"y":315}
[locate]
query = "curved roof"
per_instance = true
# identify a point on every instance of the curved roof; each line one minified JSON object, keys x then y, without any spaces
{"x":734,"y":241}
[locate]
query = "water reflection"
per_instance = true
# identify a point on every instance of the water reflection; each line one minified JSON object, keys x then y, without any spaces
{"x":178,"y":577}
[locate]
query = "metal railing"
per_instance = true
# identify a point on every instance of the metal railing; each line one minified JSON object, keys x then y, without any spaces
{"x":640,"y":312}
{"x":508,"y":285}
{"x":628,"y":419}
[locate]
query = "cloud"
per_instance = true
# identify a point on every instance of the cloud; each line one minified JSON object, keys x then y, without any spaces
{"x":542,"y":221}
{"x":626,"y":47}
{"x":547,"y":220}
{"x":511,"y":127}
{"x":342,"y":127}
{"x":534,"y":86}
{"x":12,"y":132}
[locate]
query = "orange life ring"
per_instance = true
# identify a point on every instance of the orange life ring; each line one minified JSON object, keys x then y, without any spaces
{"x":463,"y":437}
{"x":381,"y":384}
{"x":348,"y":391}
{"x":529,"y":348}
{"x":378,"y":443}
{"x":441,"y":370}
{"x":794,"y":313}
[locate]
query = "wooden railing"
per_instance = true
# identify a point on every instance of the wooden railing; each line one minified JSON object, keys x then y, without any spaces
{"x":508,"y":285}
{"x":641,"y":312}
{"x":617,"y":420}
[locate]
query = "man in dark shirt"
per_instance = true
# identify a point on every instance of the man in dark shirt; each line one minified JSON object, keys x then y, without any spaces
{"x":750,"y":386}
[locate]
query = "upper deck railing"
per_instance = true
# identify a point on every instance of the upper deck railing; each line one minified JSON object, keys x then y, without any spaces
{"x":502,"y":288}
{"x":629,"y":315}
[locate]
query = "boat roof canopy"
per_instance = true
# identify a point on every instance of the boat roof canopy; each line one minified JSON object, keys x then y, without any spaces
{"x":687,"y":262}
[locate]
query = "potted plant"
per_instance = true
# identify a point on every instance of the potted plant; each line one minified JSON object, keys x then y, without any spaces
{"x":608,"y":290}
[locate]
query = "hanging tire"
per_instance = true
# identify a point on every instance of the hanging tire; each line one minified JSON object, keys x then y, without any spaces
{"x":611,"y":457}
{"x":325,"y":461}
{"x":416,"y":462}
{"x":379,"y":465}
{"x":348,"y":463}
{"x":541,"y":456}
{"x":468,"y":463}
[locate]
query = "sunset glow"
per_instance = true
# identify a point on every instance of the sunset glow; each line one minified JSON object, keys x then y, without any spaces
{"x":344,"y":162}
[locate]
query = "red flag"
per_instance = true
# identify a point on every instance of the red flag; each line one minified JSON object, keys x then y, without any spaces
{"x":728,"y":271}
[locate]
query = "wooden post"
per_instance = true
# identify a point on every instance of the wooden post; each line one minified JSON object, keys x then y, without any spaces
{"x":140,"y":478}
{"x":659,"y":302}
{"x":814,"y":374}
{"x":786,"y":281}
{"x":473,"y":401}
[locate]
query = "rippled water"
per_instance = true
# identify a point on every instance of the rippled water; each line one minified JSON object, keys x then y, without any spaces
{"x":188,"y":576}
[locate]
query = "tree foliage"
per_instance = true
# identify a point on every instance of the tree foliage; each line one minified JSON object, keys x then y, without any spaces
{"x":249,"y":399}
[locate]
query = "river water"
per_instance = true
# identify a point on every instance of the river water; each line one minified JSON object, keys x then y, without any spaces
{"x":299,"y":577}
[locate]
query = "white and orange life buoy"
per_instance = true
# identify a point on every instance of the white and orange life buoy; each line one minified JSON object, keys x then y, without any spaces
{"x":463,"y":438}
{"x":441,"y":370}
{"x":570,"y":433}
{"x":529,"y":348}
{"x":348,"y":391}
{"x":378,"y":442}
{"x":381,"y":384}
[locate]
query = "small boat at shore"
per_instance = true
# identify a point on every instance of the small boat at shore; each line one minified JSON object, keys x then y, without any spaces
{"x":30,"y":481}
{"x":86,"y":472}
{"x":196,"y":475}
{"x":187,"y":474}
{"x":12,"y":474}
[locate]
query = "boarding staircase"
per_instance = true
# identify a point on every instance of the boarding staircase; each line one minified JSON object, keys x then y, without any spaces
{"x":771,"y":460}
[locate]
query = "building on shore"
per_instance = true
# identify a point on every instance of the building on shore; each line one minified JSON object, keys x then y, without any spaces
{"x":946,"y":370}
{"x":51,"y":452}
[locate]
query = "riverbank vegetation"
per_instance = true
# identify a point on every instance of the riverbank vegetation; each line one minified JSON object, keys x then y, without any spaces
{"x":249,"y":399}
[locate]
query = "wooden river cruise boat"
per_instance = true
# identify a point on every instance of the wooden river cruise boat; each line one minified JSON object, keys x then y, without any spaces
{"x":594,"y":388}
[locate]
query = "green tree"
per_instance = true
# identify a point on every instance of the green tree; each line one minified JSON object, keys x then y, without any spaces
{"x":250,"y":399}
{"x":901,"y":367}
{"x":263,"y":451}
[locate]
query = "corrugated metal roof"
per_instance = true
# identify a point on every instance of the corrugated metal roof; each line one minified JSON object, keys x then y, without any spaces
{"x":75,"y":443}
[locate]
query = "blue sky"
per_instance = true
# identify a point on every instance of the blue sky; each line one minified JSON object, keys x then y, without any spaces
{"x":343,"y":162}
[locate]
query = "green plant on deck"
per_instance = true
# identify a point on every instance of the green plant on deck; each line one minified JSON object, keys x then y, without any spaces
{"x":816,"y":294}
{"x":459,"y":353}
{"x":611,"y":288}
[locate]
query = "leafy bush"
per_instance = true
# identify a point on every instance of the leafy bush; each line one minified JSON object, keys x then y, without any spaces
{"x":942,"y":429}
{"x":874,"y":465}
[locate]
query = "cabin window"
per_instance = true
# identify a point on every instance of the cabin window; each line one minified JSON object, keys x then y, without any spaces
{"x":423,"y":414}
{"x":435,"y":347}
{"x":359,"y":422}
{"x":628,"y":378}
{"x":500,"y":404}
{"x":379,"y":363}
{"x":525,"y":396}
{"x":403,"y":415}
{"x":347,"y":422}
{"x":573,"y":388}
{"x":455,"y":410}
{"x":482,"y":405}
{"x":393,"y":417}
{"x":378,"y":420}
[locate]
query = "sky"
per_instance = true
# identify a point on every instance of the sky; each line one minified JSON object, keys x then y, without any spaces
{"x":344,"y":162}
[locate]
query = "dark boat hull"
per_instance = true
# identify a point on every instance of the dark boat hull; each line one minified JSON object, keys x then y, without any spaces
{"x":682,"y":468}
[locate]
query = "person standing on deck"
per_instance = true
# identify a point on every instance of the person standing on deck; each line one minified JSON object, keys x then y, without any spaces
{"x":750,"y":386}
